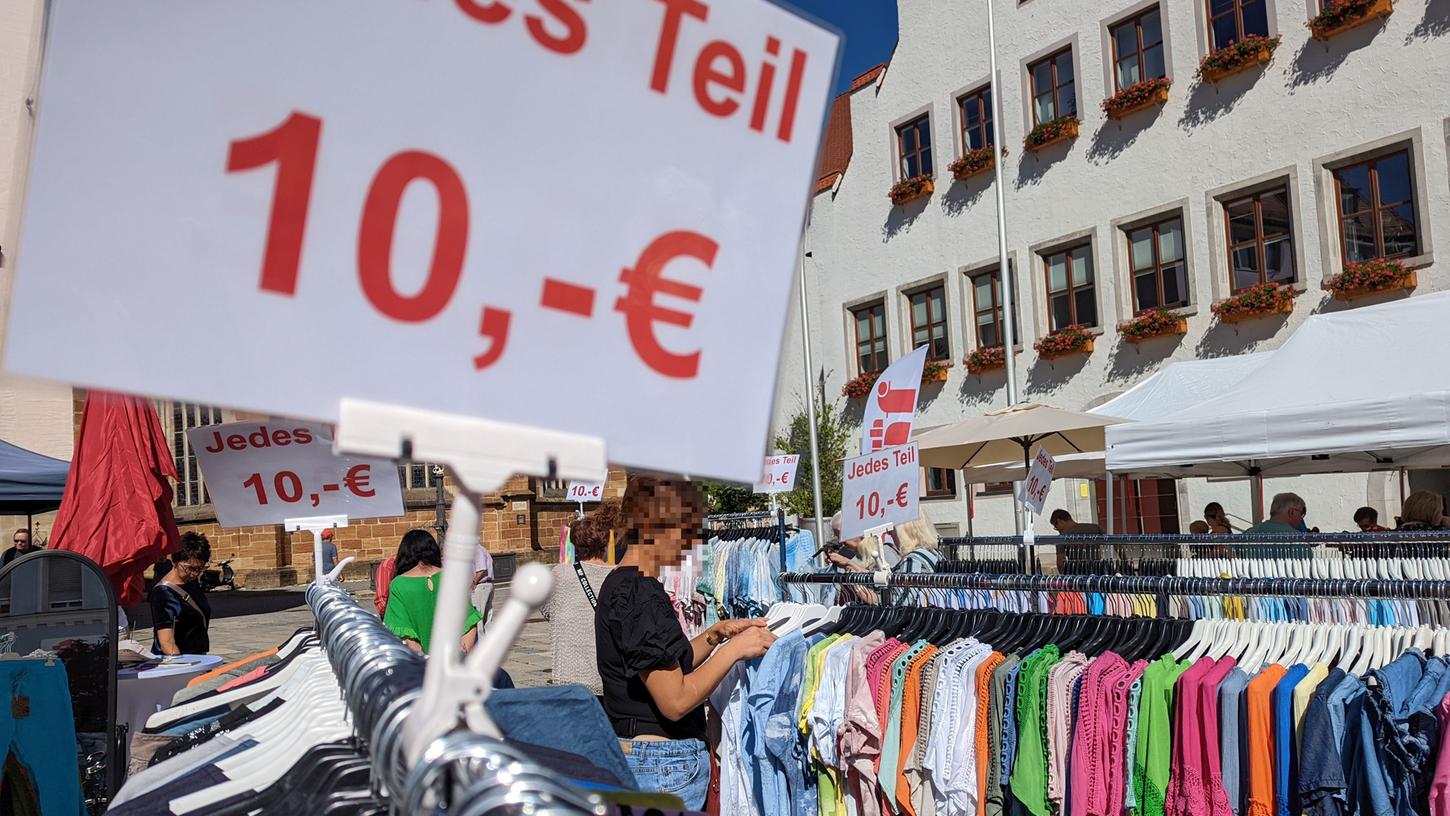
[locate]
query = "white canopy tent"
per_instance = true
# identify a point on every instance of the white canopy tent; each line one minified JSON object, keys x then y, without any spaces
{"x":1359,"y":390}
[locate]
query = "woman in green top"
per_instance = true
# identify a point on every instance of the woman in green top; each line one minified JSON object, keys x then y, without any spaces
{"x":413,"y":595}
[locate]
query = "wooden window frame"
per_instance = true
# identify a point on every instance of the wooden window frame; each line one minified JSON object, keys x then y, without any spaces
{"x":902,"y":152}
{"x":1377,"y":207}
{"x":1056,"y":87}
{"x":988,"y":123}
{"x":871,"y":341}
{"x":1133,"y":271}
{"x":998,"y":313}
{"x":949,"y":493}
{"x":1260,"y":239}
{"x":931,"y":319}
{"x":1072,"y":288}
{"x":1136,"y":21}
{"x":1238,"y":14}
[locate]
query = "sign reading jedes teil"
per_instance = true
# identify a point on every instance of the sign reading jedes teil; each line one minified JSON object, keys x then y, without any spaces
{"x":1039,"y":479}
{"x":268,"y":472}
{"x":428,"y":204}
{"x":880,"y":488}
{"x":779,"y":474}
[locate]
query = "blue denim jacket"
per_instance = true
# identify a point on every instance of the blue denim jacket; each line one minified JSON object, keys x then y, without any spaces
{"x":772,"y":738}
{"x":1391,"y":757}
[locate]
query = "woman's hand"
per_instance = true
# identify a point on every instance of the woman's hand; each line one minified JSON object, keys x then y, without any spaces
{"x":750,"y":643}
{"x":845,"y":563}
{"x":726,"y":629}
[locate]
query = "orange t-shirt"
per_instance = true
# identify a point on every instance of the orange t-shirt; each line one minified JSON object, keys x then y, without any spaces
{"x":911,"y":723}
{"x":984,"y":688}
{"x":1261,"y":740}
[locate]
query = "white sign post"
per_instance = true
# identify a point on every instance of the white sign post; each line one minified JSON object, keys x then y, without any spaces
{"x":323,"y":244}
{"x":879,"y":491}
{"x":285,"y":472}
{"x":581,"y":492}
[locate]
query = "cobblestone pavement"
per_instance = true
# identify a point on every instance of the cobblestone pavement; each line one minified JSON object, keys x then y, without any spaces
{"x":249,"y":621}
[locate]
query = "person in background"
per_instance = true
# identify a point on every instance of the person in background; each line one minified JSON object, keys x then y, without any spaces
{"x":413,"y":594}
{"x":1199,"y":528}
{"x":1072,"y":555}
{"x":1423,"y":510}
{"x":482,"y":596}
{"x":21,"y":542}
{"x":382,"y":579}
{"x":1367,"y":519}
{"x":179,"y":609}
{"x":1217,"y":519}
{"x":853,"y":555}
{"x":570,"y":609}
{"x":655,"y":680}
{"x":1286,"y":515}
{"x":329,"y":552}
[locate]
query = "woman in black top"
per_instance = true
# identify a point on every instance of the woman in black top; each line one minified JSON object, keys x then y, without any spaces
{"x":179,"y":610}
{"x":656,"y":680}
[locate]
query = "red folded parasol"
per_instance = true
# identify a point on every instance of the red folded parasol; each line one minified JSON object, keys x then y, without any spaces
{"x":116,"y":509}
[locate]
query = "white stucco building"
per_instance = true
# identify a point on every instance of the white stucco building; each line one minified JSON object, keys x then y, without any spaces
{"x":1229,"y":183}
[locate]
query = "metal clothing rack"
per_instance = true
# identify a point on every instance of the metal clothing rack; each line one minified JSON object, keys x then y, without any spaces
{"x":1139,"y":585}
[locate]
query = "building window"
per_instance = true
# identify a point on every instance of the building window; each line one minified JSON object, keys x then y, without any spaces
{"x":987,"y":306}
{"x":1138,"y":49}
{"x":913,"y":142}
{"x":1377,"y":208}
{"x":870,"y":338}
{"x":975,"y":110}
{"x":1053,"y":92}
{"x":418,"y":475}
{"x":1231,"y":20}
{"x":929,"y":322}
{"x":1260,"y":239}
{"x":1160,"y":275}
{"x":1070,"y":293}
{"x":941,"y":483}
{"x":179,"y":417}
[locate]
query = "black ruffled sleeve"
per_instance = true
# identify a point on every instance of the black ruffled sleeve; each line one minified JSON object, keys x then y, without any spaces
{"x":644,"y":626}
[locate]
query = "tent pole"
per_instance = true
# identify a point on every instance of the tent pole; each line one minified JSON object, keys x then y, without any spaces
{"x":1256,"y":495}
{"x":1111,"y":514}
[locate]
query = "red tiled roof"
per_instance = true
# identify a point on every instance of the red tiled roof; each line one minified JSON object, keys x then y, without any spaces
{"x":836,"y":147}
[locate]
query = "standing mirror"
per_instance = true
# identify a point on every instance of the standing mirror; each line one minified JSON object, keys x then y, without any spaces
{"x":57,"y":685}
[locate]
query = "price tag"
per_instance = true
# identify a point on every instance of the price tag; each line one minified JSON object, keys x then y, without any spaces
{"x":346,"y":224}
{"x":266,"y":472}
{"x":779,"y":475}
{"x":585,"y":492}
{"x":1039,"y":479}
{"x":880,"y":488}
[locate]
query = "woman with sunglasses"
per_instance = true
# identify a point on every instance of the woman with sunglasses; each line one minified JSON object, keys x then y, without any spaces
{"x":179,"y":610}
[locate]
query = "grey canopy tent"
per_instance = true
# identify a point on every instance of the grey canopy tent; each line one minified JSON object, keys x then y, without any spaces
{"x":29,"y":482}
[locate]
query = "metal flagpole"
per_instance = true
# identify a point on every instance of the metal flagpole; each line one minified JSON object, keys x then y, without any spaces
{"x":811,"y":399}
{"x":1009,"y":330}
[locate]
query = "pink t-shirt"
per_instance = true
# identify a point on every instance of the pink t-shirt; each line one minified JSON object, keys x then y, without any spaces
{"x":1185,"y":781}
{"x":1440,"y":783}
{"x":1090,"y":775}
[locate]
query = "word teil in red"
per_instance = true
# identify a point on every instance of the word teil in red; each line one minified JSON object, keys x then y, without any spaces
{"x":260,"y":438}
{"x":722,"y":85}
{"x":904,"y":456}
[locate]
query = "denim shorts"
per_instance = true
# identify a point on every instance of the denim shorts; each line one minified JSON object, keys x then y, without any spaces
{"x":676,"y":767}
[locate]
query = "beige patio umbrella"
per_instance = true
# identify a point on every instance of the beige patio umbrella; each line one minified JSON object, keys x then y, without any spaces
{"x":1003,"y":436}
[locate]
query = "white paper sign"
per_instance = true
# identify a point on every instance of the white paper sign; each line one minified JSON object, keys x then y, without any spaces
{"x":779,"y":475}
{"x":426,"y":204}
{"x":880,"y":488}
{"x":891,"y":406}
{"x":267,"y":472}
{"x":1039,"y":479}
{"x":585,"y":492}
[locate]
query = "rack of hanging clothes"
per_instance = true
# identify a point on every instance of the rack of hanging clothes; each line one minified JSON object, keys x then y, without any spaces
{"x":1179,"y":696}
{"x":733,"y":574}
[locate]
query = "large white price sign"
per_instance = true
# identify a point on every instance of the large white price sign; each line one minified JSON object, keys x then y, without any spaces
{"x":880,"y":488}
{"x":586,"y":492}
{"x":268,"y":472}
{"x":779,"y":475}
{"x":358,"y":198}
{"x":1039,"y":479}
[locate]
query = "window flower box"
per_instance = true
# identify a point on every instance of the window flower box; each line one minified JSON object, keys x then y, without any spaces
{"x":1137,"y":97}
{"x":1362,"y":278}
{"x":986,"y":358}
{"x":935,"y":371}
{"x":1339,"y":16}
{"x":1052,"y":132}
{"x":1238,"y":56}
{"x":859,"y":386}
{"x":1263,"y":300}
{"x":1070,"y":339}
{"x":974,"y":162}
{"x":910,"y":189}
{"x":1152,"y":323}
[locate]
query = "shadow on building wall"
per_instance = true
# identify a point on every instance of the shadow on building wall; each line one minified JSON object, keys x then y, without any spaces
{"x":1435,"y":23}
{"x":1130,"y":361}
{"x":1210,"y":100}
{"x":1227,"y":339}
{"x":1117,"y":135}
{"x":900,"y":218}
{"x":1317,"y":61}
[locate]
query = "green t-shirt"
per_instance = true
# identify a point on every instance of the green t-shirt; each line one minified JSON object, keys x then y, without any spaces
{"x":1029,"y":774}
{"x":1154,"y":753}
{"x":411,"y":601}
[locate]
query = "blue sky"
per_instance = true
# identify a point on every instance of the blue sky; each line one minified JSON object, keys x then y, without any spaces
{"x":870,"y":27}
